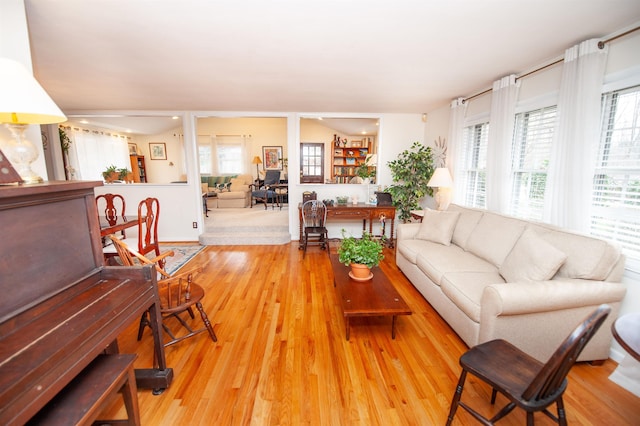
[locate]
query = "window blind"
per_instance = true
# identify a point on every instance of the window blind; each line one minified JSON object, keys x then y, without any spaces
{"x":474,"y":165}
{"x":616,"y":184}
{"x":532,"y":138}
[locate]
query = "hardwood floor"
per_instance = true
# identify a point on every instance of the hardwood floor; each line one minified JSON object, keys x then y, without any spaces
{"x":282,"y":358}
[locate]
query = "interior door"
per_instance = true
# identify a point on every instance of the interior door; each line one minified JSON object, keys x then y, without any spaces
{"x":311,"y":162}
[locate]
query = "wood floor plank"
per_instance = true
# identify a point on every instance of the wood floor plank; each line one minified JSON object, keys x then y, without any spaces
{"x":282,"y":357}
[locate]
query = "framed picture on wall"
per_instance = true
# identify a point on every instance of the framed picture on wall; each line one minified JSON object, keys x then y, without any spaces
{"x":158,"y":150}
{"x":272,"y":157}
{"x":133,"y":149}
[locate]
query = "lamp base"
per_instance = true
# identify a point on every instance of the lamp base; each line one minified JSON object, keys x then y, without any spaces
{"x":21,"y":153}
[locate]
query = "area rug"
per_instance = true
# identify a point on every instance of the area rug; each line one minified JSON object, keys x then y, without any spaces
{"x":182,"y":254}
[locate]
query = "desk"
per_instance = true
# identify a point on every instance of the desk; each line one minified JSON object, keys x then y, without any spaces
{"x":358,"y":211}
{"x":110,"y":226}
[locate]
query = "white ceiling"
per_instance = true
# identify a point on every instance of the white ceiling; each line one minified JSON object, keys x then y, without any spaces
{"x":299,"y":55}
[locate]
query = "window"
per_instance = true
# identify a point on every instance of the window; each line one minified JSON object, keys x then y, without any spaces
{"x":311,"y":162}
{"x":532,"y":137}
{"x":616,"y":184}
{"x":204,"y":156}
{"x":93,"y":151}
{"x":221,"y":155}
{"x":474,"y":166}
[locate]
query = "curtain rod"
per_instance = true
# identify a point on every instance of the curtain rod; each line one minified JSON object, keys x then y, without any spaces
{"x":603,"y":42}
{"x":601,"y":45}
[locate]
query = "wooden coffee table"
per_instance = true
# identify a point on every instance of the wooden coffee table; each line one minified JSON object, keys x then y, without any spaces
{"x":376,"y":297}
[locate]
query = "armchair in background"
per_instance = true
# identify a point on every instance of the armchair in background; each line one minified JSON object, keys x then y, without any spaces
{"x":266,"y":193}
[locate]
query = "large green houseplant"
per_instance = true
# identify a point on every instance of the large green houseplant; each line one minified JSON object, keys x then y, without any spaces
{"x":411,"y":172}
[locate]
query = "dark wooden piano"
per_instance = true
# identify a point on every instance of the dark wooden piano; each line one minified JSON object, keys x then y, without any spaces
{"x":59,"y":306}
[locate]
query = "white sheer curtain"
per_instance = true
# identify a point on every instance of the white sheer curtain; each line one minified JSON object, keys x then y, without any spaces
{"x":576,"y":136}
{"x":503,"y":107}
{"x":91,"y":152}
{"x":230,"y":155}
{"x":456,"y":131}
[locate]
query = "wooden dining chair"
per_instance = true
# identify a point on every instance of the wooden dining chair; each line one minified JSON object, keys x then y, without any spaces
{"x":178,"y":294}
{"x":114,"y":207}
{"x":148,"y":216}
{"x":525,"y":381}
{"x":314,"y":218}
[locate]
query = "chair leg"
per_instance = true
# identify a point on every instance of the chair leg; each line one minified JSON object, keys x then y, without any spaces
{"x":304,"y":245}
{"x":562,"y":417}
{"x":206,"y":321}
{"x":456,"y":397}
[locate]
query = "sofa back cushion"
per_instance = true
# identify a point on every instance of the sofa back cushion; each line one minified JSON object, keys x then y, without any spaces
{"x":238,"y":185}
{"x":437,"y":226}
{"x":532,"y":259}
{"x":494,"y":236}
{"x":467,"y":221}
{"x":588,"y":258}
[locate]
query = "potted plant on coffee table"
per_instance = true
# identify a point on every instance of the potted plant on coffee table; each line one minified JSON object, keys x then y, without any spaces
{"x":361,"y":254}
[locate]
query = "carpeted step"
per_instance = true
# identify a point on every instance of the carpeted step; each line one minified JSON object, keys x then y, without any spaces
{"x":235,"y":238}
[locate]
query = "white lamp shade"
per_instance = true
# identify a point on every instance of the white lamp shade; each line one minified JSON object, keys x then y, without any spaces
{"x":441,"y":178}
{"x":22,"y":99}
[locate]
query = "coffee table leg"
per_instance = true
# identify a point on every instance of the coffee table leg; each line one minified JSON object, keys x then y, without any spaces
{"x":346,"y":323}
{"x":393,"y":326}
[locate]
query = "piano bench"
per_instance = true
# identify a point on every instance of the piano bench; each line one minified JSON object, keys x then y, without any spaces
{"x":82,"y":400}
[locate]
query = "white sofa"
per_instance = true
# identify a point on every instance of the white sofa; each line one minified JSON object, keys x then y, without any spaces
{"x":493,"y":276}
{"x":236,"y":192}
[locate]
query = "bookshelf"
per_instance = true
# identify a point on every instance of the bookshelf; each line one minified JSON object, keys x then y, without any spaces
{"x":138,"y":168}
{"x":346,"y":158}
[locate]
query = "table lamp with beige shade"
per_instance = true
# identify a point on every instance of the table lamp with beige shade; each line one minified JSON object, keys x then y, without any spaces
{"x":23,"y":102}
{"x":441,"y":180}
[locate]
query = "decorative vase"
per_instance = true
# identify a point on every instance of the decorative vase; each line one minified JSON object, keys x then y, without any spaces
{"x":360,"y":272}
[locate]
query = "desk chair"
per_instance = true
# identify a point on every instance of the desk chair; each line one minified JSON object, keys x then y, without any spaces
{"x":525,"y":381}
{"x":314,"y":218}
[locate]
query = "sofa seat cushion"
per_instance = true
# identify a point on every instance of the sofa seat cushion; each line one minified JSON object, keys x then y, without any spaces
{"x":231,"y":195}
{"x":410,"y":248}
{"x":465,"y":290}
{"x":494,"y":236}
{"x":532,"y":259}
{"x":437,"y":260}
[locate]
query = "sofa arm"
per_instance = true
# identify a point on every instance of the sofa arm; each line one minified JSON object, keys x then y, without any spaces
{"x":543,"y":296}
{"x":407,"y":231}
{"x":538,"y":316}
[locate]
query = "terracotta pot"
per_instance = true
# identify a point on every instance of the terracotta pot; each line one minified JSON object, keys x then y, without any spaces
{"x":360,"y":271}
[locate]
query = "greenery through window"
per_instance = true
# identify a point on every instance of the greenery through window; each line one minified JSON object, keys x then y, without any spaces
{"x":616,"y":184}
{"x":473,"y":173}
{"x":533,"y":134}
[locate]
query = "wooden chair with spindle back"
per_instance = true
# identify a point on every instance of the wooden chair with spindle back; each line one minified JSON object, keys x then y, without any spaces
{"x":525,"y":381}
{"x":178,"y":293}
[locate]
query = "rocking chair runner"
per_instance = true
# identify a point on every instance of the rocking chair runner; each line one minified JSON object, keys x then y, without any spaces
{"x":178,"y":294}
{"x":526,"y":382}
